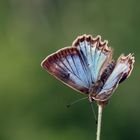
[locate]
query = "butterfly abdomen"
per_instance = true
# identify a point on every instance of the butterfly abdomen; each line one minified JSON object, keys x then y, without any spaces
{"x":97,"y":87}
{"x":108,"y":71}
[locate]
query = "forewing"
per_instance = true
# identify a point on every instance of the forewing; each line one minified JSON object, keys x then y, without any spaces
{"x":68,"y":66}
{"x":81,"y":65}
{"x":121,"y":71}
{"x":95,"y":52}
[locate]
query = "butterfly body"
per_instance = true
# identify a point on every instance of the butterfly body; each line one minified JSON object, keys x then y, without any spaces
{"x":87,"y":67}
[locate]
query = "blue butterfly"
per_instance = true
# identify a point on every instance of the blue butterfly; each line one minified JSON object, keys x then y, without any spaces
{"x":87,"y":67}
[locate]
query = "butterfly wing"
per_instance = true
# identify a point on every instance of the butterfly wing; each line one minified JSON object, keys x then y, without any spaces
{"x":81,"y":65}
{"x":68,"y":66}
{"x":121,"y":71}
{"x":96,"y":53}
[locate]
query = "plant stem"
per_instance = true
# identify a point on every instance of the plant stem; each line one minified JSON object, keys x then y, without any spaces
{"x":100,"y":109}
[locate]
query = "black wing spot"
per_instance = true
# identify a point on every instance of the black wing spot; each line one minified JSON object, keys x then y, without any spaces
{"x":65,"y":75}
{"x":123,"y":78}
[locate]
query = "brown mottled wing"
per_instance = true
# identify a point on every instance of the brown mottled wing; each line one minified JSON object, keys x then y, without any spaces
{"x":121,"y":71}
{"x":68,"y":66}
{"x":131,"y":61}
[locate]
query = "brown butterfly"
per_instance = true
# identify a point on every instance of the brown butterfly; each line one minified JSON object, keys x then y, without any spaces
{"x":87,"y":66}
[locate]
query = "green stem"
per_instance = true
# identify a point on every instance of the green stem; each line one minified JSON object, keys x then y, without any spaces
{"x":100,"y":109}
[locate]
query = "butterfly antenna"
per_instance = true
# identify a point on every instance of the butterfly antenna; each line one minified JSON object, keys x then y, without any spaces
{"x":93,"y":111}
{"x":74,"y":102}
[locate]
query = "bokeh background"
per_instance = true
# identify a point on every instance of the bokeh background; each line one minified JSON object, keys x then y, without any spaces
{"x":32,"y":103}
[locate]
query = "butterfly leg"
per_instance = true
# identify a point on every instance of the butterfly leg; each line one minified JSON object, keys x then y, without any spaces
{"x":90,"y":98}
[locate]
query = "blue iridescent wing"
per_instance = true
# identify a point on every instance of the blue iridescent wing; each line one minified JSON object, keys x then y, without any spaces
{"x":81,"y":65}
{"x":121,"y":71}
{"x":95,"y":52}
{"x":68,"y":66}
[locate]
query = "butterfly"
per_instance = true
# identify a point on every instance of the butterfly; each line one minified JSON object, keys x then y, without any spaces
{"x":87,"y":67}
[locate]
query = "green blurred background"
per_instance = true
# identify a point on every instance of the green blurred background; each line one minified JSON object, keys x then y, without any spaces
{"x":32,"y":103}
